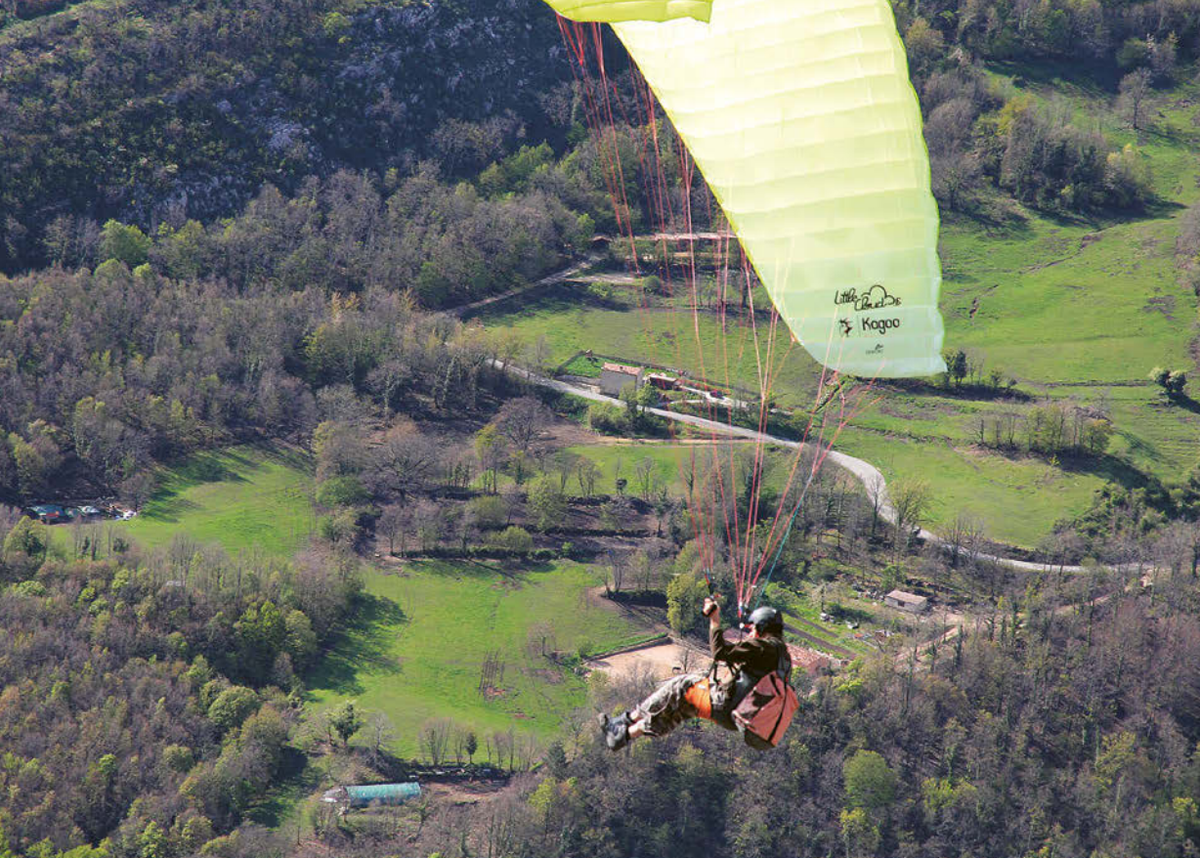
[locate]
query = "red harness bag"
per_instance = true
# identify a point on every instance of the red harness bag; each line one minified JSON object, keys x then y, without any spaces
{"x":763,"y":715}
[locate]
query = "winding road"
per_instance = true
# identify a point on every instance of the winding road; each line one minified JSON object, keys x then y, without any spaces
{"x":863,"y":471}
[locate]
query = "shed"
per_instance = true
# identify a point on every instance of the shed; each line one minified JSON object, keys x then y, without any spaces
{"x":910,"y":602}
{"x":614,"y":377}
{"x":365,"y":795}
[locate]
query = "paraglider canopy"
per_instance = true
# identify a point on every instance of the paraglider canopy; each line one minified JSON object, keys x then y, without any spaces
{"x":802,"y":119}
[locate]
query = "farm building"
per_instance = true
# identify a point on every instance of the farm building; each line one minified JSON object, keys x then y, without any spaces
{"x":614,"y":377}
{"x":662,"y":382}
{"x":910,"y":602}
{"x":349,"y":797}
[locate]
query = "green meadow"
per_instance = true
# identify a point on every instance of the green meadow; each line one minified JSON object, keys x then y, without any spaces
{"x":245,"y":498}
{"x":1075,"y":310}
{"x":417,"y":647}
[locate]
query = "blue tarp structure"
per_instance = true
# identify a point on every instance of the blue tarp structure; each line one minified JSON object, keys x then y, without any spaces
{"x":362,"y":796}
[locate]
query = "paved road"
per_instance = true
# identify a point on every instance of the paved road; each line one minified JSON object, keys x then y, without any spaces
{"x":864,"y":471}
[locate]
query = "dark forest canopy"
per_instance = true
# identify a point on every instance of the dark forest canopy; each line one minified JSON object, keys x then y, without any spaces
{"x":159,"y":112}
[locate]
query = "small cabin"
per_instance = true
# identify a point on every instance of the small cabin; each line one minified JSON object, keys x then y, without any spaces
{"x":910,"y":602}
{"x":614,"y":377}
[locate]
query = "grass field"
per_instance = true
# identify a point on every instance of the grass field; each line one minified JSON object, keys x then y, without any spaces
{"x":572,"y":319}
{"x":1077,"y":310}
{"x":419,"y":642}
{"x":244,"y":498}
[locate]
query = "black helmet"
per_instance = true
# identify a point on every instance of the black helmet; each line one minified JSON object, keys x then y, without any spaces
{"x":767,"y":620}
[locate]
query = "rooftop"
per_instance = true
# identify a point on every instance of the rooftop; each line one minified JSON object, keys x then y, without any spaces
{"x":620,"y":367}
{"x":907,"y":598}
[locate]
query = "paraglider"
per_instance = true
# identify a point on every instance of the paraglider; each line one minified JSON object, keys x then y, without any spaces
{"x":802,"y":120}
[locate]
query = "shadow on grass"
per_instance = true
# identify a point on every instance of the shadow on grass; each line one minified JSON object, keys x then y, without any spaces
{"x":168,"y":507}
{"x":1109,"y":467}
{"x":362,"y":647}
{"x":1094,"y":78}
{"x":555,"y":298}
{"x":293,"y":783}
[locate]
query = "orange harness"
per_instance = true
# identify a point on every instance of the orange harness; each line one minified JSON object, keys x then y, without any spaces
{"x":700,"y":697}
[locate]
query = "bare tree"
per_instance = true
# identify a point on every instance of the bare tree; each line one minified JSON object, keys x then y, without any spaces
{"x":137,"y":489}
{"x":405,"y":460}
{"x":380,"y":732}
{"x":877,"y":495}
{"x":910,"y":499}
{"x":565,"y":462}
{"x":393,"y":524}
{"x":522,"y":421}
{"x":958,"y":534}
{"x":644,"y":469}
{"x":586,"y":472}
{"x":434,"y":739}
{"x":1134,"y":91}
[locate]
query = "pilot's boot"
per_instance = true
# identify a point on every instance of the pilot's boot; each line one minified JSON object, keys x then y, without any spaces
{"x":616,"y":731}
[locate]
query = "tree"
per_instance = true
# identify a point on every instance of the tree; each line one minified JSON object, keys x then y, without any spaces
{"x":547,"y":503}
{"x":514,"y":539}
{"x":586,"y":473}
{"x":491,"y":450}
{"x":910,"y":500}
{"x":489,"y":511}
{"x":434,"y":739}
{"x":1134,"y":91}
{"x":232,"y":706}
{"x":685,"y":593}
{"x":644,"y":470}
{"x":522,"y":422}
{"x":381,"y":732}
{"x":392,"y":524}
{"x":125,"y":243}
{"x":345,"y":721}
{"x":137,"y":489}
{"x":870,"y":782}
{"x":405,"y":460}
{"x":28,"y":537}
{"x":565,"y":463}
{"x":1097,"y":433}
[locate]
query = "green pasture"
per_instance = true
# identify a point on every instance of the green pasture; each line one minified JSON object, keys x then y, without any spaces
{"x":1018,"y":498}
{"x":417,"y":646}
{"x":573,"y":319}
{"x":246,"y":498}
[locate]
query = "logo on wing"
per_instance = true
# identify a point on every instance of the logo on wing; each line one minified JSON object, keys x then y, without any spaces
{"x":875,"y":298}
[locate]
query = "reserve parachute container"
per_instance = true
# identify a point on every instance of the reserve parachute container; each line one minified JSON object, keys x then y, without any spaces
{"x":802,"y":119}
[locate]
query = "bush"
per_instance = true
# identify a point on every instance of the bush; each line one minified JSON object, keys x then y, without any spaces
{"x":341,"y":491}
{"x":514,"y":539}
{"x":489,"y":511}
{"x":607,"y":419}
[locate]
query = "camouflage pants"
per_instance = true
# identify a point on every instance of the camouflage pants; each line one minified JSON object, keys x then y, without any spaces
{"x":668,"y":707}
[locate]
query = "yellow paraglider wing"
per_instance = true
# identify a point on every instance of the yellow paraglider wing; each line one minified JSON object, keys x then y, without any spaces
{"x":611,"y":11}
{"x":802,"y":119}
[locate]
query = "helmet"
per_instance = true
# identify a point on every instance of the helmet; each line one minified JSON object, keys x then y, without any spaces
{"x":767,"y":620}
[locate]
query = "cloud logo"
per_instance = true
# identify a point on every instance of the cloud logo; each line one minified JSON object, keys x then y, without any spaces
{"x":876,"y":298}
